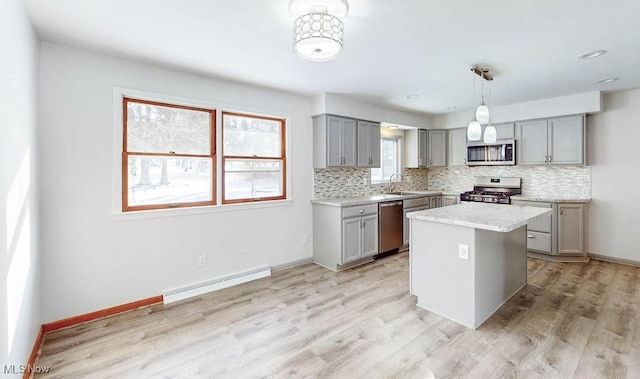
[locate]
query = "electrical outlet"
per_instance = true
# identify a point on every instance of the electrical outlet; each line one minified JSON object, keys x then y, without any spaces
{"x":305,"y":239}
{"x":463,"y":251}
{"x":202,"y":261}
{"x":349,"y":182}
{"x":365,"y":181}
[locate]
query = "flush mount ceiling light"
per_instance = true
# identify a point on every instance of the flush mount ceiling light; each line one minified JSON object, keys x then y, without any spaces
{"x":592,"y":54}
{"x":318,"y":29}
{"x":413,"y":96}
{"x":607,"y":80}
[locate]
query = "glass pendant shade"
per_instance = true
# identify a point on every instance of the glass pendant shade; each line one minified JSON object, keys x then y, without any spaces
{"x":490,"y":134}
{"x":482,"y":114}
{"x":474,"y":131}
{"x":318,"y":36}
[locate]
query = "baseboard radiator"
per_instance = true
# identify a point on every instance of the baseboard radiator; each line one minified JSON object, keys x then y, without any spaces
{"x":176,"y":294}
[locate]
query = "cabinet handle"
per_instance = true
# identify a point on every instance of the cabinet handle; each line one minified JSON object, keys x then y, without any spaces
{"x":549,"y":158}
{"x":361,"y":211}
{"x":560,"y":210}
{"x":530,"y":236}
{"x":420,"y":161}
{"x":546,"y":158}
{"x":363,"y":223}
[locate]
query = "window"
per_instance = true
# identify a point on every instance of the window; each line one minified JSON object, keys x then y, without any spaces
{"x":389,"y":160}
{"x":168,"y":157}
{"x":253,"y":158}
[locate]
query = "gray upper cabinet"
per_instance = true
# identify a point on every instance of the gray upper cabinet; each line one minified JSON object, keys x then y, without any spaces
{"x":345,"y":142}
{"x":368,"y":144}
{"x":457,"y":147}
{"x":559,"y":140}
{"x":437,"y":149}
{"x":415,"y":148}
{"x":425,"y":148}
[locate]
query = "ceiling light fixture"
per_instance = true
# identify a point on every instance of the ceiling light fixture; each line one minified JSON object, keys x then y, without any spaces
{"x":482,"y":113}
{"x":414,"y":96}
{"x":608,"y":80}
{"x":318,"y":28}
{"x":592,"y":54}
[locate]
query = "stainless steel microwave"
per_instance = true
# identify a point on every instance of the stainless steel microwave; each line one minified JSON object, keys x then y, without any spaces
{"x":499,"y":153}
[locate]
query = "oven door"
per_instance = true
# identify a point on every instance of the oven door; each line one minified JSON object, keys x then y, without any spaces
{"x":500,"y":153}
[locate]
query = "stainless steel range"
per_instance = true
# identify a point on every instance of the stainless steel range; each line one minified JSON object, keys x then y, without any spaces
{"x":493,"y":190}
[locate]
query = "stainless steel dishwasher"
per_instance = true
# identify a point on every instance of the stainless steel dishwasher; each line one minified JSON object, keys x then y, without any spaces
{"x":390,"y":224}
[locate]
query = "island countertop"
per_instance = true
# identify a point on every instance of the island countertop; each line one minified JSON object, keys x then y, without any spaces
{"x":494,"y":217}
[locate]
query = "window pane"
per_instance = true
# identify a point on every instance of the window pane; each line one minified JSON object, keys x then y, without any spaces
{"x":253,"y":179}
{"x":159,"y":129}
{"x":248,"y":136}
{"x":154,"y":180}
{"x":389,"y":161}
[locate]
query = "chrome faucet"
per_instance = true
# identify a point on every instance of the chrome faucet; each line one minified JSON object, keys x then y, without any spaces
{"x":391,"y":181}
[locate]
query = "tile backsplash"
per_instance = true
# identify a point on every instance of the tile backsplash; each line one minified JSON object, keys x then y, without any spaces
{"x":353,"y":182}
{"x":569,"y":181}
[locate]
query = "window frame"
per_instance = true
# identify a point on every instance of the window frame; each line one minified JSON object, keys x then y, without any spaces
{"x":125,"y":154}
{"x":282,"y":157}
{"x":399,"y":141}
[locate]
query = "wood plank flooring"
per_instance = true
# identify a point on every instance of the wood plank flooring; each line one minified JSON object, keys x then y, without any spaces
{"x":571,"y":320}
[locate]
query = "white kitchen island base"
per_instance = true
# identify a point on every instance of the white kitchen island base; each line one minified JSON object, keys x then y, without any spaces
{"x":468,"y":291}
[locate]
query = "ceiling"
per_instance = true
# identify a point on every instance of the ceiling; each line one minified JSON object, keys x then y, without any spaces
{"x":392,"y":49}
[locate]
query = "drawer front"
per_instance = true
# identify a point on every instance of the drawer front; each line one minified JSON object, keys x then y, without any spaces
{"x":360,"y":210}
{"x":414,"y":203}
{"x":540,"y":224}
{"x":539,"y":241}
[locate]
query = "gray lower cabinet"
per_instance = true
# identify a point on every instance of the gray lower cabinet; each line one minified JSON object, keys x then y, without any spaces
{"x":559,"y":236}
{"x":412,"y":205}
{"x":435,"y":201}
{"x":344,"y":236}
{"x":449,"y":200}
{"x":571,"y":229}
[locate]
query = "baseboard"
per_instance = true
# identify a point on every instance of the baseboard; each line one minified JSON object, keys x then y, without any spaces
{"x":629,"y":262}
{"x":71,"y":321}
{"x":201,"y":288}
{"x":291,"y":264}
{"x":34,"y":353}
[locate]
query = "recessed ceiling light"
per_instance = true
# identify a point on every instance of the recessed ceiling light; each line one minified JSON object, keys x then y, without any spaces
{"x":608,"y":80}
{"x":592,"y":54}
{"x":414,"y":96}
{"x":452,"y":108}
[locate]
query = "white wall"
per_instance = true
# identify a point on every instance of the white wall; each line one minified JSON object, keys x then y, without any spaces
{"x":93,"y":261}
{"x":588,"y":102}
{"x":614,"y":213}
{"x":19,"y":256}
{"x":344,"y":106}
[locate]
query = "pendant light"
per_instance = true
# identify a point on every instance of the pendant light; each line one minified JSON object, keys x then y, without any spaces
{"x":490,"y":132}
{"x":474,"y":130}
{"x":482,"y":113}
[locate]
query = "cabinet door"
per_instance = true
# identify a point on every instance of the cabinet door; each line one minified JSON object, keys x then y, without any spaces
{"x":449,"y":200}
{"x":369,"y":235}
{"x":334,"y":141}
{"x":571,"y":229}
{"x":351,"y":239}
{"x":349,"y":142}
{"x":422,"y":148}
{"x":458,"y":147}
{"x":566,"y":140}
{"x":437,"y":148}
{"x":374,"y":144}
{"x":531,"y":146}
{"x":368,"y":144}
{"x":505,"y":131}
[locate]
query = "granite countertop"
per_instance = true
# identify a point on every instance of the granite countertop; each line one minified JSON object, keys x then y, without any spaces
{"x":372,"y":199}
{"x":494,"y":217}
{"x":551,"y":198}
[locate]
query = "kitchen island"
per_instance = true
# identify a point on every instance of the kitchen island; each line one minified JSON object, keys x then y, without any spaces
{"x":468,"y":287}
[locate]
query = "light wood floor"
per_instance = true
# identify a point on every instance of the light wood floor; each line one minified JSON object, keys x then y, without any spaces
{"x":571,"y":320}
